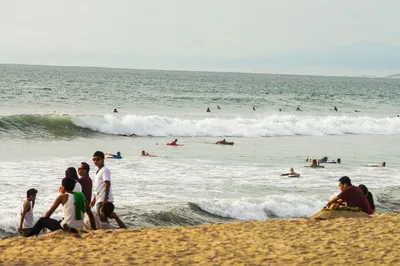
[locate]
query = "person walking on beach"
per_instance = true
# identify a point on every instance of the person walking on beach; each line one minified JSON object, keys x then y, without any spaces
{"x":353,"y":196}
{"x":74,"y":205}
{"x":101,"y":219}
{"x":85,"y":180}
{"x":102,"y":183}
{"x":26,"y":221}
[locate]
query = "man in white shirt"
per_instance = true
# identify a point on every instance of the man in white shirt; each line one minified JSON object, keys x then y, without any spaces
{"x":102,"y":183}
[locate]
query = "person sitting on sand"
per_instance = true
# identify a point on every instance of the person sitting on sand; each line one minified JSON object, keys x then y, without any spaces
{"x":101,"y":219}
{"x":369,"y":196}
{"x":291,"y":172}
{"x":26,"y":221}
{"x":351,"y":195}
{"x":113,"y":156}
{"x":74,"y":205}
{"x":71,"y":173}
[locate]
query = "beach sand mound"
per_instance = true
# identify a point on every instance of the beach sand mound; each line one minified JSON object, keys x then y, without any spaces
{"x":331,"y":214}
{"x":341,"y":241}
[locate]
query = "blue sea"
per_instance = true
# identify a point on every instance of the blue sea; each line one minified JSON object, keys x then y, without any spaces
{"x":52,"y":118}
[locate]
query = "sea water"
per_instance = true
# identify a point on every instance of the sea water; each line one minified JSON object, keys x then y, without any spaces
{"x":52,"y":118}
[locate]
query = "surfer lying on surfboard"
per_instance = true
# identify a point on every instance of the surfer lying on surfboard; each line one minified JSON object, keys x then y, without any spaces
{"x":291,"y":172}
{"x":174,"y":143}
{"x":224,"y":142}
{"x":147,"y":154}
{"x":113,"y":156}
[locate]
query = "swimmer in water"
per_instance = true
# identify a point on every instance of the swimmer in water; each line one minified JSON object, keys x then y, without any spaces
{"x":208,"y":110}
{"x":115,"y":110}
{"x":113,"y":156}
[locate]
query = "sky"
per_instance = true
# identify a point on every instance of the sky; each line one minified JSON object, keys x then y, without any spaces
{"x":186,"y":34}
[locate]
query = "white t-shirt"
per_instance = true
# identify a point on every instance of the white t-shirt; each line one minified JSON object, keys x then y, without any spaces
{"x":99,"y":185}
{"x":99,"y":223}
{"x":78,"y":187}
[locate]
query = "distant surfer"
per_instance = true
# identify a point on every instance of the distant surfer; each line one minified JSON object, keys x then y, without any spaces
{"x":224,"y":142}
{"x":113,"y":156}
{"x":291,"y":172}
{"x":115,"y":110}
{"x":298,"y":109}
{"x":254,"y":108}
{"x":208,"y":110}
{"x":174,"y":143}
{"x":335,"y":109}
{"x":219,"y":108}
{"x":144,"y":153}
{"x":280,"y":110}
{"x":128,"y":135}
{"x":357,"y":111}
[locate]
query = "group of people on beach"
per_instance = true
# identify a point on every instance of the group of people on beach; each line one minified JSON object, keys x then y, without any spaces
{"x":75,"y":196}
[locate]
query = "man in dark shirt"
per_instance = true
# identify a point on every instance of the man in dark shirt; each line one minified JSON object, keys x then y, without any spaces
{"x":353,"y":196}
{"x":85,"y":180}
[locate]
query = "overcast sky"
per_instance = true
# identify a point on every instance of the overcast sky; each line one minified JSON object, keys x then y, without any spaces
{"x":166,"y":31}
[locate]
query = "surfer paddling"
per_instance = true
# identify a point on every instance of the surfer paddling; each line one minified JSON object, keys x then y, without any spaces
{"x":224,"y":142}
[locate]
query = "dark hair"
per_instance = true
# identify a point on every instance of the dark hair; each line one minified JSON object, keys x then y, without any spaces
{"x":71,"y":173}
{"x":369,"y":196}
{"x":85,"y":166}
{"x":108,"y":208}
{"x":68,"y":183}
{"x":364,"y":189}
{"x":338,"y":160}
{"x":99,"y":154}
{"x":345,"y":180}
{"x":31,"y":192}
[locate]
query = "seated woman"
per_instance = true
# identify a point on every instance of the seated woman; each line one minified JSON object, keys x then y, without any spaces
{"x":369,"y":196}
{"x":113,"y":156}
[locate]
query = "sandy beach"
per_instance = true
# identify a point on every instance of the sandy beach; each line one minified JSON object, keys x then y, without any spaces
{"x":302,"y":241}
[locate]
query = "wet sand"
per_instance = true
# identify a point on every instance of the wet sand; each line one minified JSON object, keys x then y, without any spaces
{"x":301,"y":241}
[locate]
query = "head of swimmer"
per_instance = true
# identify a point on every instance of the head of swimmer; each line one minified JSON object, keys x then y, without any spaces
{"x":143,"y":153}
{"x":383,"y":164}
{"x":292,"y":171}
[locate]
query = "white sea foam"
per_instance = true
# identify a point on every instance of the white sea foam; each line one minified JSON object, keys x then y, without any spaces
{"x":273,"y":125}
{"x":283,"y":206}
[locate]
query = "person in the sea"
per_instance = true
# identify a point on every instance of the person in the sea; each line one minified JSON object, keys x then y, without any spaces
{"x":144,"y":153}
{"x":128,"y":135}
{"x":221,"y":142}
{"x":102,"y":183}
{"x":323,"y":160}
{"x":335,"y":109}
{"x":218,"y":107}
{"x":85,"y":180}
{"x":350,"y":195}
{"x":339,"y":160}
{"x":254,"y":108}
{"x":71,"y":173}
{"x":314,"y":163}
{"x":115,"y":110}
{"x":74,"y":206}
{"x":26,"y":220}
{"x":101,"y":219}
{"x":383,"y":164}
{"x":298,"y":109}
{"x":369,"y":196}
{"x":174,"y":142}
{"x":208,"y":110}
{"x":291,"y":172}
{"x":114,"y":156}
{"x":357,"y":111}
{"x":280,"y":110}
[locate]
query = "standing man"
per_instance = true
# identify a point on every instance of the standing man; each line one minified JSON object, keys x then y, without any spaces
{"x":102,"y":183}
{"x":85,"y":180}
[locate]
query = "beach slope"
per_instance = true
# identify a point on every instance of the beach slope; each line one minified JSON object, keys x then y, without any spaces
{"x":301,"y":241}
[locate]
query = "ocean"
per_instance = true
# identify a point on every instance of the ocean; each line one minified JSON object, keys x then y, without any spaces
{"x":52,"y":118}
